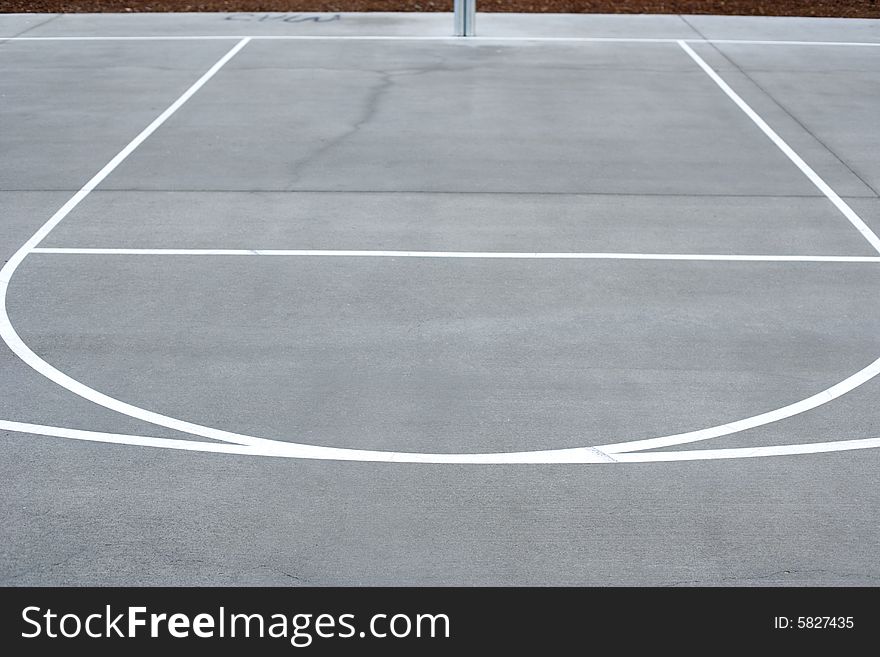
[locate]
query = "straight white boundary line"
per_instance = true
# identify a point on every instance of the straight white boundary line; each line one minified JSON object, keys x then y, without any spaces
{"x":748,"y":452}
{"x":450,"y":39}
{"x":491,"y":255}
{"x":274,"y":447}
{"x":578,"y":456}
{"x":780,"y":143}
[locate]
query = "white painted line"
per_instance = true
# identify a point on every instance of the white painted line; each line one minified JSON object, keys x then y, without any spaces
{"x":119,"y":438}
{"x":760,"y":42}
{"x":748,"y":452}
{"x":769,"y":417}
{"x":575,"y":456}
{"x":459,"y":40}
{"x":496,"y":255}
{"x":167,"y":37}
{"x":805,"y":168}
{"x":315,"y":452}
{"x":348,"y":37}
{"x":449,"y":39}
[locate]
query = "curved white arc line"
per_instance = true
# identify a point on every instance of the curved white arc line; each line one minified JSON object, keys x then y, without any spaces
{"x":563,"y":455}
{"x":17,"y":345}
{"x":835,"y":391}
{"x":579,"y":456}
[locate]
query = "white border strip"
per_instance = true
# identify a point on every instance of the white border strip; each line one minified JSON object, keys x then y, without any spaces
{"x":579,"y":456}
{"x":492,"y":255}
{"x":780,"y":143}
{"x":450,"y":39}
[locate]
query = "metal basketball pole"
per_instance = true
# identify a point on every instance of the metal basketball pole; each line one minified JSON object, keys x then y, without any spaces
{"x":465,"y":17}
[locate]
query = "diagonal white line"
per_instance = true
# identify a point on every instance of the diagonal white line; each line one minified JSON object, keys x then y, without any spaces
{"x":748,"y":452}
{"x":118,"y":159}
{"x":789,"y":152}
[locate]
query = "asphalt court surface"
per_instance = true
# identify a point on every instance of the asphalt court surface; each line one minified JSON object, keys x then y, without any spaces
{"x":442,"y":146}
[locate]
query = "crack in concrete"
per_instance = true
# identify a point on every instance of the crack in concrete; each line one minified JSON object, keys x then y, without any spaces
{"x":370,"y":108}
{"x":6,"y":39}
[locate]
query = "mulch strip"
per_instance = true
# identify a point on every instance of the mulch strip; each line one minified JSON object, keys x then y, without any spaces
{"x":839,"y":8}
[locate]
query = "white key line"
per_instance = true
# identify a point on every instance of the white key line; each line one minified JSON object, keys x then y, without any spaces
{"x":450,"y":39}
{"x":492,"y":255}
{"x":571,"y":456}
{"x":787,"y":150}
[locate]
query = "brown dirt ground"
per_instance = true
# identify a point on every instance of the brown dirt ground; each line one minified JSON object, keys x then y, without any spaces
{"x":843,"y":8}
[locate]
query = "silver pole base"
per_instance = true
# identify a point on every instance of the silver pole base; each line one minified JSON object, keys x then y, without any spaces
{"x":465,"y":17}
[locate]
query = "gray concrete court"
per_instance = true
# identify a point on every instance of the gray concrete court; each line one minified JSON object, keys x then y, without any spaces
{"x":495,"y":144}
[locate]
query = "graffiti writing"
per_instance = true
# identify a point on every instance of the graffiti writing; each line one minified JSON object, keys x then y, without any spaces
{"x":284,"y":18}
